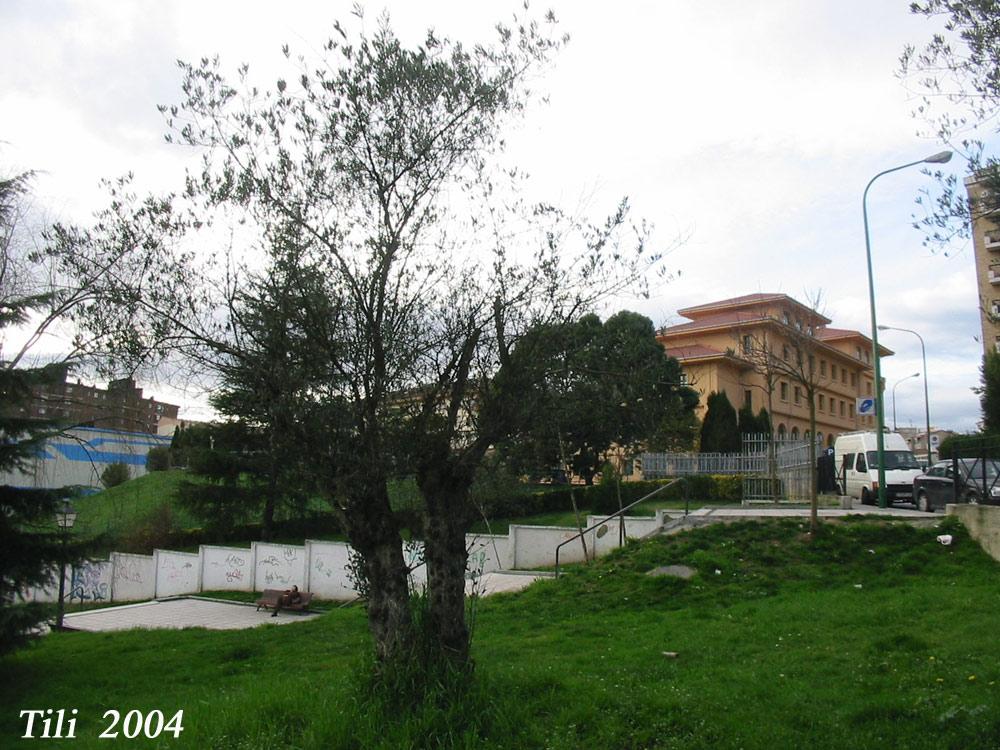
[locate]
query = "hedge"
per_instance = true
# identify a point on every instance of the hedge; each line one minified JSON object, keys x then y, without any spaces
{"x":603,"y":498}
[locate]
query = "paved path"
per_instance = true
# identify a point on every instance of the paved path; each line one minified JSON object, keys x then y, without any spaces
{"x":218,"y":615}
{"x":180,"y":613}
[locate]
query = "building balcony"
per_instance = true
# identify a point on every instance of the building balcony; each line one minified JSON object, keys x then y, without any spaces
{"x":992,"y":241}
{"x":994,"y":274}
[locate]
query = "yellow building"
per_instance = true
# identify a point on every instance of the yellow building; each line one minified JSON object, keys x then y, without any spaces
{"x":720,"y":351}
{"x":986,"y":244}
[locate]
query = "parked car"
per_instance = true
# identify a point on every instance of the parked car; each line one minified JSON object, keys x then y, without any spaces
{"x":936,"y":488}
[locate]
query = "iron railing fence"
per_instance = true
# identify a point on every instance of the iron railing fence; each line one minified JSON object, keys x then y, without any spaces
{"x":775,"y":468}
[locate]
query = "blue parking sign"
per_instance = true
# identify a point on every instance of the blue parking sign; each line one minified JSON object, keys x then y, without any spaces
{"x":866,"y":407}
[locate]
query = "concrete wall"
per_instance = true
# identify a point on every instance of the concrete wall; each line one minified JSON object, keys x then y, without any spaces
{"x":327,"y":571}
{"x":134,"y":577}
{"x":226,"y":568}
{"x":176,"y":572}
{"x":278,"y":566}
{"x":983,"y":523}
{"x":636,"y":527}
{"x":91,"y":582}
{"x":319,"y":567}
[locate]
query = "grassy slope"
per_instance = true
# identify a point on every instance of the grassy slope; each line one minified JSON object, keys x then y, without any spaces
{"x":120,"y":508}
{"x":872,"y":636}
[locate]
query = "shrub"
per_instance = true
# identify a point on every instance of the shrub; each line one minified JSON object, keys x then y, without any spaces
{"x":158,"y":459}
{"x":115,"y":474}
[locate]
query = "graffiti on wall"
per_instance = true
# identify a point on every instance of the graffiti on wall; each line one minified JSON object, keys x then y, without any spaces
{"x":278,"y":569}
{"x":88,"y":584}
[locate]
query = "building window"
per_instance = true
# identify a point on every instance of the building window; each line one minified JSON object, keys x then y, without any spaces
{"x":850,"y":409}
{"x":784,"y":353}
{"x":868,"y":388}
{"x":783,"y":390}
{"x":843,"y":408}
{"x":822,"y":367}
{"x":868,"y":357}
{"x":995,"y":308}
{"x":843,"y":374}
{"x":854,"y":380}
{"x":857,"y":350}
{"x":795,"y":433}
{"x":684,"y":378}
{"x":822,"y":402}
{"x":748,"y":399}
{"x":787,"y":320}
{"x":798,"y":395}
{"x":747,"y":344}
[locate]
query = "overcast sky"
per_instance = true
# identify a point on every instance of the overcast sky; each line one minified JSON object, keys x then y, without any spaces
{"x":751,"y":128}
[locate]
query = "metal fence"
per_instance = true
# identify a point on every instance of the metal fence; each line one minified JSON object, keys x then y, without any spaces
{"x":775,"y":468}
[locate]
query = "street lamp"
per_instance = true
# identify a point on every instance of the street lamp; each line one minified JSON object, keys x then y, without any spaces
{"x":939,"y":158}
{"x":914,"y":375}
{"x":927,"y":400}
{"x":65,"y":518}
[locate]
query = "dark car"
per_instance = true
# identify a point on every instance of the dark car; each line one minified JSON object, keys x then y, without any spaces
{"x":936,"y":488}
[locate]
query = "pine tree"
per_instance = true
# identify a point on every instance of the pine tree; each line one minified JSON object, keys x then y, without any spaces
{"x":30,"y":545}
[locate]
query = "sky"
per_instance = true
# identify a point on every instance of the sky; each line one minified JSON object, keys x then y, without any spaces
{"x":749,"y":129}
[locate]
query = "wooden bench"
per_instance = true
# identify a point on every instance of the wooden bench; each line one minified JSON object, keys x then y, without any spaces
{"x":271,"y":597}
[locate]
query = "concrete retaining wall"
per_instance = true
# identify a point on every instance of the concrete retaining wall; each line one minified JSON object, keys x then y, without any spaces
{"x":319,"y":567}
{"x":176,"y":572}
{"x":226,"y":568}
{"x":134,"y":577}
{"x":983,"y":523}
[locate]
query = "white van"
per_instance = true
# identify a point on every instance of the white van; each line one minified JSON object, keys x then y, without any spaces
{"x":856,"y":454}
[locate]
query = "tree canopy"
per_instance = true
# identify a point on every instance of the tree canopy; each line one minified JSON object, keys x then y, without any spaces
{"x":605,"y":385}
{"x":376,"y":278}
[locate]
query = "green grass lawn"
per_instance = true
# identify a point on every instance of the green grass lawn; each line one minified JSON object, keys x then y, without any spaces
{"x":118,"y":509}
{"x":872,"y":635}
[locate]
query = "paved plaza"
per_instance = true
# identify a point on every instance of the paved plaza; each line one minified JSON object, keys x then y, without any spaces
{"x":180,"y":613}
{"x":194,"y":612}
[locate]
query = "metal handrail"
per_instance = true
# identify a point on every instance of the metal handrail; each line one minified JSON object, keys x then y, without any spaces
{"x":621,"y":511}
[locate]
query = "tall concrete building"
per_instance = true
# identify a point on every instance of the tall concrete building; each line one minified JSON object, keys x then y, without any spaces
{"x":986,"y":244}
{"x":719,"y":351}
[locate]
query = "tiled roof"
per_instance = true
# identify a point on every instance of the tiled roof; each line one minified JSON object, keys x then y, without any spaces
{"x":729,"y":318}
{"x":749,"y":300}
{"x":733,"y":301}
{"x":832,"y":334}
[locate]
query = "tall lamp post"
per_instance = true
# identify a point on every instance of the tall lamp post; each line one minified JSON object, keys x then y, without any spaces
{"x":927,"y":400}
{"x":908,"y":377}
{"x":65,"y":518}
{"x":939,"y":158}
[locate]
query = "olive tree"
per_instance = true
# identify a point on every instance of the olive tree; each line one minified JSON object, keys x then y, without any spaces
{"x":379,"y":169}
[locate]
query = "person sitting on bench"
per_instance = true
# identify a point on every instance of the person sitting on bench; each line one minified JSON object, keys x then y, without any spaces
{"x":290,"y":597}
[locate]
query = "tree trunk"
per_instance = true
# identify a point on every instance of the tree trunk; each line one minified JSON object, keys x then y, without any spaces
{"x":372,"y":531}
{"x":447,"y":556}
{"x":813,"y":495}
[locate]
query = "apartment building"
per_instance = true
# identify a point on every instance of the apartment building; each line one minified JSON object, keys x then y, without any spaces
{"x":720,"y":349}
{"x":986,"y":247}
{"x":121,"y":406}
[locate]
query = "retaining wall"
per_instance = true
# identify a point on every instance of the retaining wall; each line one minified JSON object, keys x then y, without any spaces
{"x":317,"y":566}
{"x":983,"y":523}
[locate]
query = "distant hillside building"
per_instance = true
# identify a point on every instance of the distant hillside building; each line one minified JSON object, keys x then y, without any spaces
{"x":715,"y":350}
{"x":119,"y":407}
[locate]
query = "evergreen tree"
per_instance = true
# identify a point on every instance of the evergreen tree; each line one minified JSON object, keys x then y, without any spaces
{"x":720,"y":432}
{"x":989,"y":392}
{"x":30,"y":546}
